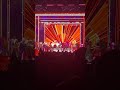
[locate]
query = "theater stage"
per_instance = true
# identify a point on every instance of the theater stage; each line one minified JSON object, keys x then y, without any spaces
{"x":59,"y":32}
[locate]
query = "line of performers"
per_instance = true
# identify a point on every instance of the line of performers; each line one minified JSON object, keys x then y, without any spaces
{"x":56,"y":46}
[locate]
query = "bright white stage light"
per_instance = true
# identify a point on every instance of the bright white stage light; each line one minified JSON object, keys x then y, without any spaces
{"x":77,"y":22}
{"x":81,"y":45}
{"x":57,"y":44}
{"x":61,"y":14}
{"x":52,"y":44}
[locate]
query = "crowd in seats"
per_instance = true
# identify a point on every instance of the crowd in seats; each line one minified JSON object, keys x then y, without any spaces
{"x":4,"y":58}
{"x":17,"y":52}
{"x":22,"y":51}
{"x":60,"y":71}
{"x":102,"y":65}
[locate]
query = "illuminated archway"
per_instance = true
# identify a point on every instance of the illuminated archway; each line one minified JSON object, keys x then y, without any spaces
{"x":60,"y":27}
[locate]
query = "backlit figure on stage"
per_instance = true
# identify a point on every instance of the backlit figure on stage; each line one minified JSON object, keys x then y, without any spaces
{"x":41,"y":46}
{"x":45,"y":46}
{"x":74,"y":45}
{"x":63,"y":46}
{"x":37,"y":48}
{"x":56,"y":46}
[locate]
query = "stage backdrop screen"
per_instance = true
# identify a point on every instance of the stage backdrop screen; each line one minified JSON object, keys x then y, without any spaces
{"x":62,"y":33}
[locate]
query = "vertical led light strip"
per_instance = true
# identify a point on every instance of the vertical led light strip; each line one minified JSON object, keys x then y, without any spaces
{"x":44,"y":32}
{"x":109,"y":22}
{"x":8,"y":23}
{"x":84,"y":32}
{"x":80,"y":34}
{"x":1,"y":18}
{"x":22,"y":19}
{"x":38,"y":29}
{"x":35,"y":28}
{"x":62,"y":32}
{"x":7,"y":19}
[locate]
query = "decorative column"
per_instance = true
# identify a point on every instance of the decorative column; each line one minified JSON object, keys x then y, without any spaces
{"x":112,"y":14}
{"x":38,"y":34}
{"x":117,"y":22}
{"x":8,"y":24}
{"x":0,"y":18}
{"x":16,"y":19}
{"x":23,"y":19}
{"x":36,"y":28}
{"x":4,"y":19}
{"x":39,"y":29}
{"x":82,"y":31}
{"x":42,"y":32}
{"x":80,"y":34}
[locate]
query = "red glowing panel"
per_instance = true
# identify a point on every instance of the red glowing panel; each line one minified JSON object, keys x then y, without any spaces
{"x":62,"y":33}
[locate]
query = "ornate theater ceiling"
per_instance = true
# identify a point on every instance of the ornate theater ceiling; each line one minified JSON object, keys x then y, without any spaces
{"x":59,"y":1}
{"x":64,"y":6}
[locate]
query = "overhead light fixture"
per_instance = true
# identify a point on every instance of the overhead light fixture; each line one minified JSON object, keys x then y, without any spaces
{"x":50,"y":5}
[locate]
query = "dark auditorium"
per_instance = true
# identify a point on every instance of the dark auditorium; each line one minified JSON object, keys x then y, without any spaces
{"x":59,"y":44}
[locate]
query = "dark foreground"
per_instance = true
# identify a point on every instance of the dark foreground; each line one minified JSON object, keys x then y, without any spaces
{"x":63,"y":71}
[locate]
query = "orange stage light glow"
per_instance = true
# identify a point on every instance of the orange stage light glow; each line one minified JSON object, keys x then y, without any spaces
{"x":62,"y":33}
